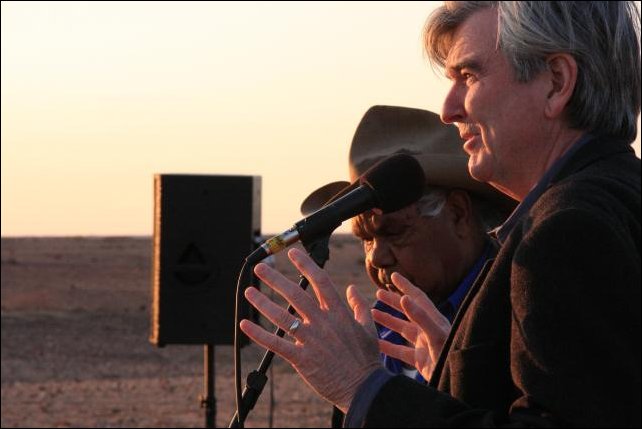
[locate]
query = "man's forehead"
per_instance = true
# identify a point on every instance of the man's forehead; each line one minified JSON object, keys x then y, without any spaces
{"x":473,"y":41}
{"x":367,"y":222}
{"x":373,"y":223}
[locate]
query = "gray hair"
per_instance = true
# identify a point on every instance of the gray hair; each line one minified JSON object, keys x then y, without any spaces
{"x":432,"y":202}
{"x":487,"y":215}
{"x":602,"y":36}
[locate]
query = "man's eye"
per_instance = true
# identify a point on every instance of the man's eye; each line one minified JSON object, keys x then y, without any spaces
{"x":468,"y":77}
{"x":367,"y":243}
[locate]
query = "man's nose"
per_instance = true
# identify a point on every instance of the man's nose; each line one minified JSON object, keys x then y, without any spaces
{"x":453,"y":108}
{"x":381,"y":255}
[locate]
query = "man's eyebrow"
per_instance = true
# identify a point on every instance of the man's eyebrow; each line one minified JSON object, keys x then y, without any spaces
{"x":363,"y":228}
{"x":470,"y":64}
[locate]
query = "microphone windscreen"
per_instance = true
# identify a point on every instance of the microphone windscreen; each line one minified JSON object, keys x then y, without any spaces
{"x":397,"y":181}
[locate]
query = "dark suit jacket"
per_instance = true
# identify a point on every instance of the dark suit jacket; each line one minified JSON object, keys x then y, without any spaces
{"x":549,"y":335}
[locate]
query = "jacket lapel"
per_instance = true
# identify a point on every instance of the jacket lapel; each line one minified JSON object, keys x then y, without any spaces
{"x":439,"y":366}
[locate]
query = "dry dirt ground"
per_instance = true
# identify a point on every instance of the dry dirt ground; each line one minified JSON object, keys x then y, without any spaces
{"x":75,"y":349}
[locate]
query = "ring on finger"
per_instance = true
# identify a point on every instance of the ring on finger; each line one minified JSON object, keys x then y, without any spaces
{"x":294,"y":326}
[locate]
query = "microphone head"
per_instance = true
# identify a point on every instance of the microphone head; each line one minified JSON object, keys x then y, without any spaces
{"x":396,"y":181}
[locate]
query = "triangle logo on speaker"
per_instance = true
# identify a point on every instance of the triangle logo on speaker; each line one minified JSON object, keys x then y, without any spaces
{"x":192,"y":268}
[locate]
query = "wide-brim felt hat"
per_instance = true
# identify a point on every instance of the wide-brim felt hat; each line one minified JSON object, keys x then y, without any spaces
{"x":388,"y":130}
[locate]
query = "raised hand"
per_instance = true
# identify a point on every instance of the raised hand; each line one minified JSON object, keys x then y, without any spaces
{"x":426,"y":329}
{"x":334,"y":350}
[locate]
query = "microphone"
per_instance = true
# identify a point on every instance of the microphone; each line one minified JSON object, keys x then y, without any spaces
{"x":389,"y":185}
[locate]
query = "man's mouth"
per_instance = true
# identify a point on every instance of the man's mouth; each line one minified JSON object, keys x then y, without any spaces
{"x":386,"y":282}
{"x":470,"y":141}
{"x":392,"y":288}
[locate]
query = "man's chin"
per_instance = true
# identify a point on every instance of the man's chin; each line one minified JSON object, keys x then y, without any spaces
{"x":476,"y":170}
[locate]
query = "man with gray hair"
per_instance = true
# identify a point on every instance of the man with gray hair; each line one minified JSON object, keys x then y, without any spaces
{"x":545,"y":96}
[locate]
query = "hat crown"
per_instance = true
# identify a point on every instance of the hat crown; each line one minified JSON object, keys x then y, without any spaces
{"x":388,"y":130}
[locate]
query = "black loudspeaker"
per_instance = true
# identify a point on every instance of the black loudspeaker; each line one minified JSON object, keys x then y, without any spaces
{"x":204,"y":227}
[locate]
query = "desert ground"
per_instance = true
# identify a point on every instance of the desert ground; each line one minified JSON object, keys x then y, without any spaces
{"x":75,"y":349}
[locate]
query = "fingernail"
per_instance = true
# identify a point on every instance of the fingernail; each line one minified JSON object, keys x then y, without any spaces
{"x":406,"y":301}
{"x":260,"y":269}
{"x":250,"y":292}
{"x":294,"y":254}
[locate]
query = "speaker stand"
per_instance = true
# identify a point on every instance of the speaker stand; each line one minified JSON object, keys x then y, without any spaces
{"x":208,"y":399}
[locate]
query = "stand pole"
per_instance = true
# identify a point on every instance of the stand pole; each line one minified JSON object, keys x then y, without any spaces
{"x":208,"y":400}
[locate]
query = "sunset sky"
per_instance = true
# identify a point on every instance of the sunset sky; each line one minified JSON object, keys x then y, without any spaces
{"x":97,"y":97}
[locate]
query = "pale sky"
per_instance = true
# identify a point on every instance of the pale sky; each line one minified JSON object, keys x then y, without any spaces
{"x":97,"y":97}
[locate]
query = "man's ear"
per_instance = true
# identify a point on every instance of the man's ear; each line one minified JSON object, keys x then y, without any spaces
{"x":460,"y":212}
{"x":562,"y":72}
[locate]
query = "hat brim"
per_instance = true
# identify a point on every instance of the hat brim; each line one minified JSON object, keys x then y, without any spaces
{"x":440,"y":171}
{"x":324,"y":195}
{"x":451,"y":172}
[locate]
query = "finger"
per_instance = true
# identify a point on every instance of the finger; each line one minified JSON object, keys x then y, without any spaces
{"x":405,"y":286}
{"x":404,"y":328}
{"x":360,"y":308}
{"x":275,"y":314}
{"x":421,"y":299}
{"x":293,"y":294}
{"x":278,"y":345}
{"x":435,"y":331}
{"x":391,"y":299}
{"x":323,"y":287}
{"x":403,"y":353}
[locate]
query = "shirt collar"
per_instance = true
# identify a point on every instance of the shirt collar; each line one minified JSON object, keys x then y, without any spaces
{"x":503,"y":231}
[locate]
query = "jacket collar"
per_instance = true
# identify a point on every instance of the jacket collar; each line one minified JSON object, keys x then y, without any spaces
{"x":584,"y":152}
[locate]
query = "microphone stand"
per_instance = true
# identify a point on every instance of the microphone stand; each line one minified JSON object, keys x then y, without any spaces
{"x":255,"y":382}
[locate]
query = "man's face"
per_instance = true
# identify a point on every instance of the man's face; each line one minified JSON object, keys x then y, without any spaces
{"x":500,"y":119}
{"x":419,"y":248}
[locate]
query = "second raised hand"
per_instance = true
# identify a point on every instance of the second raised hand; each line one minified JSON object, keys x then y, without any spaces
{"x":425,"y":331}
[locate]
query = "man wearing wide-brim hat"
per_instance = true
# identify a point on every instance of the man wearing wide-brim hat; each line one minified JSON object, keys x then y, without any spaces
{"x":439,"y":243}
